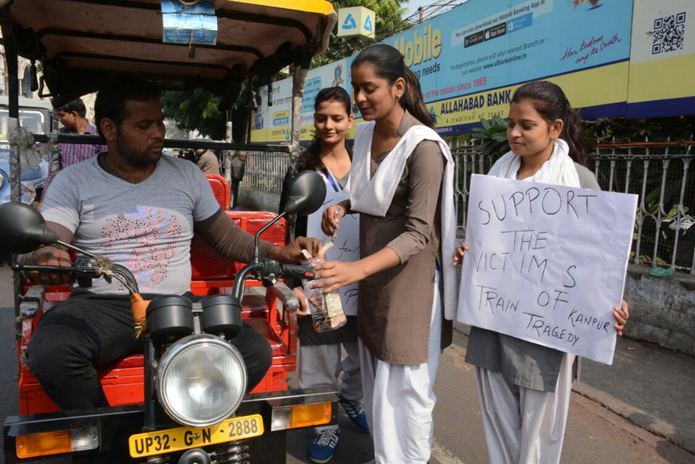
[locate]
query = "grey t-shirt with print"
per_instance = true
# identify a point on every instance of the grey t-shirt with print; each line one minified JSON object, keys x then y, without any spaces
{"x":146,"y":227}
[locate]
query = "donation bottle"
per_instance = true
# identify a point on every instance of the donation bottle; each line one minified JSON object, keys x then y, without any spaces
{"x":326,"y":308}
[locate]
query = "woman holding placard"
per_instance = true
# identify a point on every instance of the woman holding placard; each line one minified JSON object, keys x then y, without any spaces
{"x":320,"y":360}
{"x":525,"y":388}
{"x":402,"y":186}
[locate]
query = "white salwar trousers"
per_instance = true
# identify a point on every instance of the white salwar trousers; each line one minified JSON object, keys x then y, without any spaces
{"x":522,"y":425}
{"x":320,"y":366}
{"x":399,"y":399}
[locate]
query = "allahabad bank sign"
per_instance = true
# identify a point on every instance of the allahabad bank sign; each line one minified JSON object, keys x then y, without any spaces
{"x":472,"y":59}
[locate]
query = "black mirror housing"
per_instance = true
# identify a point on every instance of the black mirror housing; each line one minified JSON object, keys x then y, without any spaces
{"x":306,"y":194}
{"x":23,"y":229}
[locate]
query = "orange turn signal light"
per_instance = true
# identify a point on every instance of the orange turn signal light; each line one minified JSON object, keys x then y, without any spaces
{"x":61,"y":441}
{"x":312,"y":414}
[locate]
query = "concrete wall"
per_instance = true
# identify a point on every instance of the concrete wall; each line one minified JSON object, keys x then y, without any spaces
{"x":662,"y":309}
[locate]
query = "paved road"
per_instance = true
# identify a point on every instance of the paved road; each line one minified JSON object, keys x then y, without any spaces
{"x":594,"y":433}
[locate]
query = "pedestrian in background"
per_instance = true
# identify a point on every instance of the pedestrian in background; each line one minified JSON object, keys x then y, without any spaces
{"x":525,"y":388}
{"x":238,"y":169}
{"x":207,"y":161}
{"x":402,"y":186}
{"x":73,"y":117}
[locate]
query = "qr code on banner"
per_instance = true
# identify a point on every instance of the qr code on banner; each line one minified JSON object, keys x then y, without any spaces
{"x":669,"y":33}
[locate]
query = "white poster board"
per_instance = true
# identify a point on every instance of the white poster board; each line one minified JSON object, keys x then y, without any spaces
{"x":346,"y":246}
{"x":546,"y":263}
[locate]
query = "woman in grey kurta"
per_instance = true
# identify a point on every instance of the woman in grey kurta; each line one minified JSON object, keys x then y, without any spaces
{"x":400,"y":321}
{"x":320,"y":353}
{"x":525,"y":388}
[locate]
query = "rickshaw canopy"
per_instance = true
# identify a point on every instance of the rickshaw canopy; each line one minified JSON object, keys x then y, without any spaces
{"x":80,"y":43}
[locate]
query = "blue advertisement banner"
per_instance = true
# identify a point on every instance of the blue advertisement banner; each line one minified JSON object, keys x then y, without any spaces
{"x":484,"y":48}
{"x":471,"y":59}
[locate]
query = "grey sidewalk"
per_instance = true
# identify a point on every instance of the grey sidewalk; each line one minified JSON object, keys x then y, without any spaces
{"x":650,"y":386}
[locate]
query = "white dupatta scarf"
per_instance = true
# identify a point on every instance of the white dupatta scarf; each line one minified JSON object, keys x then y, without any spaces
{"x":373,"y":196}
{"x":558,"y":170}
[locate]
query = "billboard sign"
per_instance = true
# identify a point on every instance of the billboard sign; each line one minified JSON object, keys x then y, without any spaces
{"x":272,"y":123}
{"x":610,"y":58}
{"x":662,"y":59}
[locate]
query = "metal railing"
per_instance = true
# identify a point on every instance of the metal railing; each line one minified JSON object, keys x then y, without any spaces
{"x":658,"y":172}
{"x":265,"y":171}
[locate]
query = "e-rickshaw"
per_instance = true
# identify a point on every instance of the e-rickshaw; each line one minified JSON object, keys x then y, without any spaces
{"x":78,"y":45}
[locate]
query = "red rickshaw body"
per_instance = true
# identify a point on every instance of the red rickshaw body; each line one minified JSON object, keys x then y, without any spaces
{"x":79,"y":45}
{"x":211,"y":274}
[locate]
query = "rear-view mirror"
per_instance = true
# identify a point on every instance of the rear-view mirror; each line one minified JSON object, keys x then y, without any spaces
{"x":23,"y":229}
{"x":306,"y":194}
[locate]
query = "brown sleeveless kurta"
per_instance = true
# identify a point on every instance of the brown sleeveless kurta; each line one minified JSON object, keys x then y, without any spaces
{"x":395,"y":305}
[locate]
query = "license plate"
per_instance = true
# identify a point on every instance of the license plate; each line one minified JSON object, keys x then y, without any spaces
{"x":172,"y":440}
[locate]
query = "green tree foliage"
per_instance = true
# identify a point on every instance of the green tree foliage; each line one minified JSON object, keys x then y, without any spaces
{"x":199,"y":110}
{"x":388,"y":23}
{"x":636,"y":130}
{"x":195,"y":110}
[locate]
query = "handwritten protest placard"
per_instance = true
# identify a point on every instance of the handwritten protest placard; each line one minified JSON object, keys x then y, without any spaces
{"x":546,"y":263}
{"x":346,"y":247}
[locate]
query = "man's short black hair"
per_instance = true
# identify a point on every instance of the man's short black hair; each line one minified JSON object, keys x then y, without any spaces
{"x":76,"y":105}
{"x":112,"y":98}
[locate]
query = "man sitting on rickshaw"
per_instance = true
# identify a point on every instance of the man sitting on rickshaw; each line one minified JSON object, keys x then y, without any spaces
{"x":139,"y":209}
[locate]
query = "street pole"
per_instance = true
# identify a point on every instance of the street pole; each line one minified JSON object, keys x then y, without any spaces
{"x":299,"y":74}
{"x":12,"y":63}
{"x":228,"y":153}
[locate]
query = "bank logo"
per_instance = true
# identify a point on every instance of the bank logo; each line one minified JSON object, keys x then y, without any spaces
{"x":368,"y":24}
{"x":350,"y":23}
{"x":433,"y":113}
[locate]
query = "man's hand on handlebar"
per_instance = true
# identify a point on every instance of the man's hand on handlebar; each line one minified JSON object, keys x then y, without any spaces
{"x":50,"y":256}
{"x":292,"y":253}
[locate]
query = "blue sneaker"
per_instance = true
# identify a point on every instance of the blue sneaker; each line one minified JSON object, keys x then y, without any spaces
{"x":323,"y":447}
{"x":355,"y":410}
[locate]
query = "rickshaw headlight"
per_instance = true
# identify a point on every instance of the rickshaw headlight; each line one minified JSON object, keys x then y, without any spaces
{"x":201,"y":380}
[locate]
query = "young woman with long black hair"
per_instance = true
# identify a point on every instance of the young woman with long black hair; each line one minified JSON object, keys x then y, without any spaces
{"x":402,"y":188}
{"x":525,"y":388}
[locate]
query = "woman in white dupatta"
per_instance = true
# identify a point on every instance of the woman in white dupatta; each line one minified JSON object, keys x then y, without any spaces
{"x":402,"y":186}
{"x":525,"y":388}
